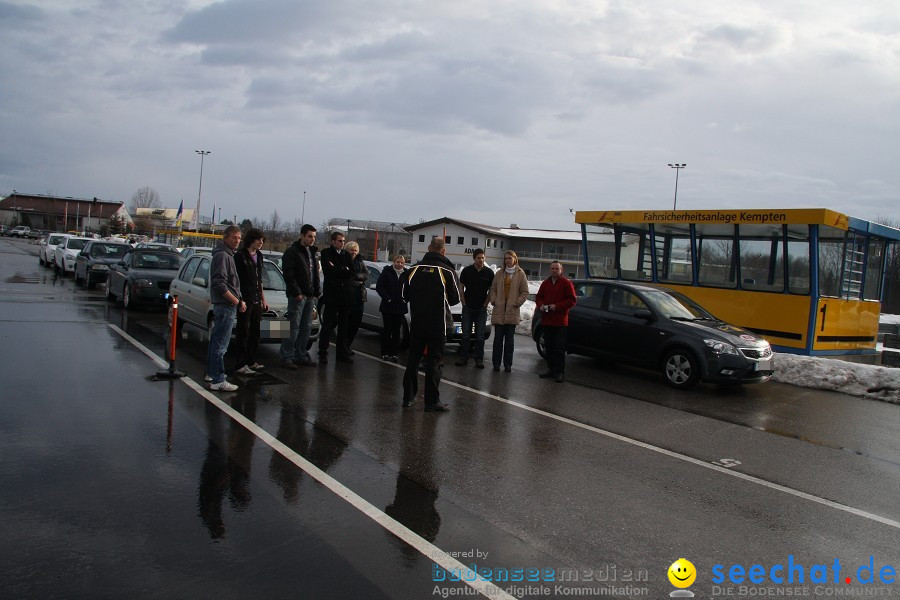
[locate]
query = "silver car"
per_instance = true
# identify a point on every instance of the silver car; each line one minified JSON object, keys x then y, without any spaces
{"x":191,"y":285}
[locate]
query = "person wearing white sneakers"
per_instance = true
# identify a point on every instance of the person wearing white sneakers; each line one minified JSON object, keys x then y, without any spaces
{"x":249,"y":262}
{"x":225,"y":294}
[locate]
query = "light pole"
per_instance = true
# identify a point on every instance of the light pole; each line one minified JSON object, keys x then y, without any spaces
{"x":677,"y":167}
{"x":202,"y":154}
{"x":303,"y":212}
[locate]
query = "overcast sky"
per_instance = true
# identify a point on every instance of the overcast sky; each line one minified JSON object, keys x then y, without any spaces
{"x":492,"y":111}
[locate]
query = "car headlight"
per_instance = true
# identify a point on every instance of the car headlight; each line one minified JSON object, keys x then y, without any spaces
{"x":99,"y":267}
{"x":720,"y":347}
{"x":143,"y":283}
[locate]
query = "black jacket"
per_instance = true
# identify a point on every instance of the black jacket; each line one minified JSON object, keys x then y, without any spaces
{"x":388,"y":287}
{"x":339,"y":277}
{"x":250,"y":274}
{"x":295,"y":264}
{"x":431,"y":289}
{"x":360,"y":278}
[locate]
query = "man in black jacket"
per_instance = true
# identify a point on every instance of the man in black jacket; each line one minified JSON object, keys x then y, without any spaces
{"x":301,"y":276}
{"x":431,"y":289}
{"x":337,"y":267}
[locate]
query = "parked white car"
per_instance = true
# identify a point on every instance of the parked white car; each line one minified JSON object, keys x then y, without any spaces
{"x":47,"y":248}
{"x":66,"y":253}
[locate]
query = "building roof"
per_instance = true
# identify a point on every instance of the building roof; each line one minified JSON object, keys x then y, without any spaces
{"x":509,"y":232}
{"x":51,"y":205}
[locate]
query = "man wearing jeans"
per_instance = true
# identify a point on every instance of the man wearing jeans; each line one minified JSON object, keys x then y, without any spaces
{"x":476,"y":281}
{"x":225,"y":295}
{"x":301,"y":275}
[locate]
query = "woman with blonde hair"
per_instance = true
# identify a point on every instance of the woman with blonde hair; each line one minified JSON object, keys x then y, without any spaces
{"x":508,"y":292}
{"x":360,"y":277}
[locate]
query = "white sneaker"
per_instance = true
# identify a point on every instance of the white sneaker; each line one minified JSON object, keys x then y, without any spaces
{"x":207,"y":378}
{"x":245,"y":370}
{"x":257,"y":367}
{"x":224,"y":386}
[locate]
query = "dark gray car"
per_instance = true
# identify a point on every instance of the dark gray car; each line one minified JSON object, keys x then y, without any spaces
{"x":661,"y":329}
{"x":93,"y":262}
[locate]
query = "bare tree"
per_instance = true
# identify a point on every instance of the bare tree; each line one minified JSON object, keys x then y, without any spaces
{"x":146,"y":197}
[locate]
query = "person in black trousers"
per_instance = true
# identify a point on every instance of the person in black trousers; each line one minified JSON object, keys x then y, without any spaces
{"x":338,"y":291}
{"x":431,"y":289}
{"x":393,"y":308}
{"x":358,"y":292}
{"x":249,"y":263}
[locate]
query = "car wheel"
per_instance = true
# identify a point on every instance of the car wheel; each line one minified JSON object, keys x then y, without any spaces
{"x":681,"y":369}
{"x":109,"y":293}
{"x":40,"y":260}
{"x":78,"y":280}
{"x":91,"y":284}
{"x":540,"y":342}
{"x":126,"y":297}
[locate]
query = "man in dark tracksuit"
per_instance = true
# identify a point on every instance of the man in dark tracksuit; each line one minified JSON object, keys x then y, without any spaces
{"x":431,"y":289}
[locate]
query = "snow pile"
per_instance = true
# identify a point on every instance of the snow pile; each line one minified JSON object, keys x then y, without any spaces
{"x":870,"y":381}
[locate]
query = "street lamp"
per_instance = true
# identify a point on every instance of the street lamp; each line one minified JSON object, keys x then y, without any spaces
{"x":677,"y":167}
{"x":303,"y":212}
{"x":202,"y":154}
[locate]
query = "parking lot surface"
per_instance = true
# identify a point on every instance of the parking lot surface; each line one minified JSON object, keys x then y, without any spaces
{"x":316,"y":483}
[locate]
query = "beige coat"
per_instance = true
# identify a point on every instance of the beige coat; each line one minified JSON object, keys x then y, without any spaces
{"x":506,"y":311}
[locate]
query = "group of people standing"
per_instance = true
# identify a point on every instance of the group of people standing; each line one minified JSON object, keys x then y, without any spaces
{"x":426,"y":291}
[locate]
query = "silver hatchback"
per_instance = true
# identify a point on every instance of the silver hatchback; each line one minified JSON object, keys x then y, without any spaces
{"x":191,"y":285}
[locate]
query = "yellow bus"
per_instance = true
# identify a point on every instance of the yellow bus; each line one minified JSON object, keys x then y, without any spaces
{"x":808,"y":280}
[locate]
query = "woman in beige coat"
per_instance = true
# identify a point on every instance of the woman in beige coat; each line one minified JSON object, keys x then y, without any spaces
{"x":508,"y":292}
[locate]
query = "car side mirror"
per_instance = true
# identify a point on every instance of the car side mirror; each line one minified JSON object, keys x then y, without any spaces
{"x":643,"y":313}
{"x":199,"y":281}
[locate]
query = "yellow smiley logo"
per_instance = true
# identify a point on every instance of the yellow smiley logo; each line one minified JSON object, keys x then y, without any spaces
{"x":682,"y":573}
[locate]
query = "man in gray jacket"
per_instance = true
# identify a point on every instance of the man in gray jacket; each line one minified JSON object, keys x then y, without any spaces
{"x":225,"y":295}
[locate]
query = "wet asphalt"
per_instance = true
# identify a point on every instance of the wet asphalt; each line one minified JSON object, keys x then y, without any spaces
{"x":114,"y":484}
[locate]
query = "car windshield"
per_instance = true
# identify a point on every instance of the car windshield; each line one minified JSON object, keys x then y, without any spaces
{"x":54,"y":240}
{"x":155,"y":260}
{"x":676,"y":306}
{"x":272,"y":279}
{"x":76,"y":244}
{"x":108,"y":250}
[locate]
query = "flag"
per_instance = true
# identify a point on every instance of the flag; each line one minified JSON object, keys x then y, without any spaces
{"x":180,"y":211}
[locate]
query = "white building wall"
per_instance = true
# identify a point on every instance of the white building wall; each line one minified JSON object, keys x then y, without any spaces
{"x":460,"y":254}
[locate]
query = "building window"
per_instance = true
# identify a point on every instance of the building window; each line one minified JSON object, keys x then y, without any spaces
{"x":447,"y":239}
{"x":422,"y":239}
{"x":487,"y":242}
{"x":475,"y":241}
{"x":495,"y":242}
{"x":460,"y":240}
{"x":501,"y":244}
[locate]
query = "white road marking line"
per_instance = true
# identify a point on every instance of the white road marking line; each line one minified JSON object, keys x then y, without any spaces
{"x":696,"y":461}
{"x":426,"y":548}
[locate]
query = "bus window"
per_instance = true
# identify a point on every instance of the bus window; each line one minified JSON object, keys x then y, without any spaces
{"x":635,"y":255}
{"x":761,"y":257}
{"x":601,"y":249}
{"x":673,"y":257}
{"x":798,"y":259}
{"x":874,"y":262}
{"x":716,"y":256}
{"x":831,"y":257}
